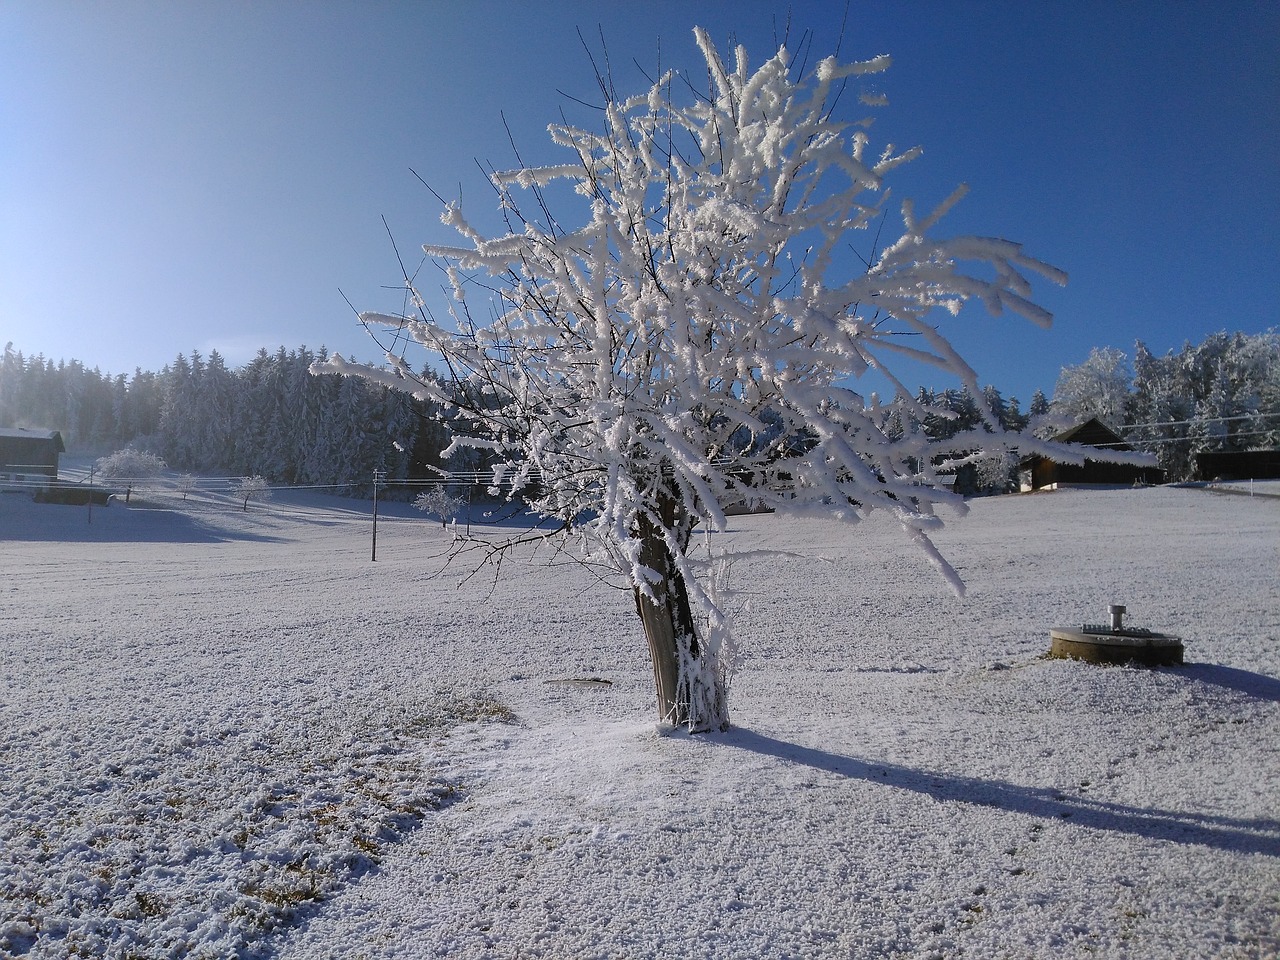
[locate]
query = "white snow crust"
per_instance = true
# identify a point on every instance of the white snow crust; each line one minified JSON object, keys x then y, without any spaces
{"x":227,"y":733}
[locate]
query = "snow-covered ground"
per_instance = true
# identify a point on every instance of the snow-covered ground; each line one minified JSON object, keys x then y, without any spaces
{"x":228,"y":733}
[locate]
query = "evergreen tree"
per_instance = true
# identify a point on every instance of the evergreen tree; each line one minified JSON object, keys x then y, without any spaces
{"x":253,"y":411}
{"x":145,"y":400}
{"x":1014,"y":419}
{"x":216,"y":391}
{"x":12,"y":374}
{"x":178,"y":417}
{"x":1039,"y":404}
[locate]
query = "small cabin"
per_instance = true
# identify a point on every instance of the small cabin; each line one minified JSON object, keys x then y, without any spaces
{"x":29,"y":458}
{"x":1038,"y":472}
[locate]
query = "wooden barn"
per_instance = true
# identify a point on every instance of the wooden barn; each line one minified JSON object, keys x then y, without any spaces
{"x":1238,"y":465}
{"x":1038,"y":473}
{"x":28,"y":458}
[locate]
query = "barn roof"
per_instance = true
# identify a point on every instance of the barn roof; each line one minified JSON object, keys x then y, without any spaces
{"x":1094,"y":433}
{"x":22,"y":433}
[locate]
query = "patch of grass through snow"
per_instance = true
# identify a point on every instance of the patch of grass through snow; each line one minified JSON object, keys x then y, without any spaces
{"x":199,"y":842}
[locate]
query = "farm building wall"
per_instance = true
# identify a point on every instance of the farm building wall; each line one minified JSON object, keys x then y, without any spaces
{"x":1036,"y":472}
{"x":1238,"y":465}
{"x":29,"y":456}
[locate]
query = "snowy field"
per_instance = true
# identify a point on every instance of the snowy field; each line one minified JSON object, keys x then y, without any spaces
{"x":229,"y":734}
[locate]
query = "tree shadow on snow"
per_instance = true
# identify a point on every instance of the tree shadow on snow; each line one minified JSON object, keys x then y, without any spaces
{"x":1256,"y":685}
{"x":117,"y":524}
{"x":1235,"y":834}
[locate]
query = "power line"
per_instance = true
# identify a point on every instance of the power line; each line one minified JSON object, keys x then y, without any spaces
{"x":1225,"y":436}
{"x":1183,"y":423}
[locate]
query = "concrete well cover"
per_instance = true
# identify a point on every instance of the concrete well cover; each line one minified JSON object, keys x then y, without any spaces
{"x":1097,"y":644}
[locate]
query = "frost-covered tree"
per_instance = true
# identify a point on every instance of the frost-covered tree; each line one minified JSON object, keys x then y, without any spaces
{"x":1098,"y":387}
{"x":1219,"y":394}
{"x":186,"y":484}
{"x":1265,"y":428}
{"x":439,"y":502}
{"x":694,"y":340}
{"x":130,"y":464}
{"x":130,"y":467}
{"x":251,"y":488}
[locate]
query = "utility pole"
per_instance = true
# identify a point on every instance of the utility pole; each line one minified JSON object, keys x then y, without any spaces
{"x":377,"y":476}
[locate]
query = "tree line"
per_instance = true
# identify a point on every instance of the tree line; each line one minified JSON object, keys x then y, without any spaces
{"x":271,"y":418}
{"x":274,"y":418}
{"x":1222,"y":394}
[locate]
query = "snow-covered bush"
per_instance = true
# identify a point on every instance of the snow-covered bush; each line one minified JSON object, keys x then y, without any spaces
{"x":695,"y":340}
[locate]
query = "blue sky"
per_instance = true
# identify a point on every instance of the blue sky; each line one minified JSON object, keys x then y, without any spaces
{"x":209,"y":175}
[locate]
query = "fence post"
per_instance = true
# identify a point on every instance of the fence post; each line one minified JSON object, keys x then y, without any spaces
{"x":377,"y":475}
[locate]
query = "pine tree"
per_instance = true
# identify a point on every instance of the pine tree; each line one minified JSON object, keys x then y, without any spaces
{"x":1039,"y":404}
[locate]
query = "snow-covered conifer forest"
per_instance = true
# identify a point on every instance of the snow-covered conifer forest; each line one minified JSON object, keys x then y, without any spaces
{"x":269,"y":419}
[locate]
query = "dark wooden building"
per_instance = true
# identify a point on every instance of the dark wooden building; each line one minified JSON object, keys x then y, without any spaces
{"x":1037,"y":472}
{"x":1238,"y":465}
{"x":28,"y":458}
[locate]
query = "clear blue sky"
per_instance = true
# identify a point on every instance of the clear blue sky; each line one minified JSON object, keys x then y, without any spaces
{"x":209,"y":174}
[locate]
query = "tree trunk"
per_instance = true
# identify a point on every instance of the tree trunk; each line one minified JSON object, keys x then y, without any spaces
{"x":680,"y":674}
{"x":661,"y":629}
